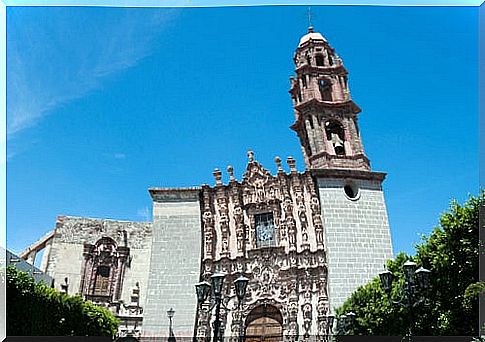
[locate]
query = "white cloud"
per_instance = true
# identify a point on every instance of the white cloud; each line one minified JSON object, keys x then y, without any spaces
{"x":63,"y":54}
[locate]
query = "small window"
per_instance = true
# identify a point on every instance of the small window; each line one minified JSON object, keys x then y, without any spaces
{"x":351,"y":191}
{"x":265,"y":231}
{"x":319,"y":60}
{"x":303,"y":81}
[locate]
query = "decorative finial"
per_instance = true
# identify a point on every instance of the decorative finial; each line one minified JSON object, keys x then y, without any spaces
{"x":291,"y":163}
{"x":218,"y":176}
{"x":251,"y":156}
{"x":230,"y":170}
{"x":278,"y":164}
{"x":310,"y":26}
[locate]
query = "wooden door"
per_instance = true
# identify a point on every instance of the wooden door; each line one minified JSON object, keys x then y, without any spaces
{"x":264,"y":325}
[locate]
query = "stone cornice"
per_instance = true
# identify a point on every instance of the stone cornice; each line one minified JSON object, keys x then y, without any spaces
{"x":348,"y":173}
{"x":175,"y":194}
{"x":314,"y":103}
{"x":329,"y":156}
{"x":338,"y":69}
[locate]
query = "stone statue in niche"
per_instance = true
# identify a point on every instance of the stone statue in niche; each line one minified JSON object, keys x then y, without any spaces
{"x":292,"y":328}
{"x":288,"y":207}
{"x":307,"y":311}
{"x":208,"y":218}
{"x":315,"y":205}
{"x":290,"y":223}
{"x":322,"y":308}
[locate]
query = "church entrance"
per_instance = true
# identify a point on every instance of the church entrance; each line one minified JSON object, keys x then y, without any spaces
{"x":264,"y":323}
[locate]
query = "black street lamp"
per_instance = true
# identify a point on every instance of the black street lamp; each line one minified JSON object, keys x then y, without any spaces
{"x":171,"y":335}
{"x":345,"y":323}
{"x":412,"y":293}
{"x":217,"y":282}
{"x":341,"y":324}
{"x":330,"y":320}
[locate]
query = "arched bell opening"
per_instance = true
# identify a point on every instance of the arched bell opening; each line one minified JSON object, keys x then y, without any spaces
{"x":336,"y":135}
{"x":264,"y":323}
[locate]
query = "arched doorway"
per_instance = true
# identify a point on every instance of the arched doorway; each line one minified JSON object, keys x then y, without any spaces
{"x":264,"y":323}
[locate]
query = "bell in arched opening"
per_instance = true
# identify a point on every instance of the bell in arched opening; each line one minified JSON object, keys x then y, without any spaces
{"x":335,"y":133}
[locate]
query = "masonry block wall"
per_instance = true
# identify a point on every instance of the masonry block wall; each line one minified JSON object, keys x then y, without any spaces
{"x":65,"y":253}
{"x":175,"y":262}
{"x":357,"y":234}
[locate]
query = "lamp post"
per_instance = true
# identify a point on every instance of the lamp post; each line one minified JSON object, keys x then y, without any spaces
{"x":345,"y":323}
{"x":217,"y":282}
{"x":416,"y":282}
{"x":171,"y":335}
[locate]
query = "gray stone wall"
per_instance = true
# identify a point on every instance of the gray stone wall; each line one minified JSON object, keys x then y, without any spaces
{"x":175,"y":262}
{"x":65,"y":253}
{"x":357,"y":234}
{"x":65,"y":261}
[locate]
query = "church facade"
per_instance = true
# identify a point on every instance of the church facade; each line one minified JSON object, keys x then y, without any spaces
{"x":305,"y":240}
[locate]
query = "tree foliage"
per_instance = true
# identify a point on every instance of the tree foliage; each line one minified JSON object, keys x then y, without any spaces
{"x":38,"y":310}
{"x":451,"y":252}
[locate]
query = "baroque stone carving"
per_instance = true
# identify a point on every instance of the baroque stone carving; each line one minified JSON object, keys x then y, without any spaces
{"x":282,"y":275}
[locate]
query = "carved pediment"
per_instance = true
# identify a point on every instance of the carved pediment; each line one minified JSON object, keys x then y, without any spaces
{"x":256,"y":175}
{"x":259,"y":186}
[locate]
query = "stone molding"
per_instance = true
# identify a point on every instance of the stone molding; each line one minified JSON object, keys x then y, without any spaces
{"x":175,"y":194}
{"x":348,"y":173}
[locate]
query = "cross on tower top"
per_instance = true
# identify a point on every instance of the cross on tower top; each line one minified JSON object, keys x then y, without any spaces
{"x":310,"y":26}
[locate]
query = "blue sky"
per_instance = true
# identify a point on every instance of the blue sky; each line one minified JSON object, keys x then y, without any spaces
{"x":103,"y":103}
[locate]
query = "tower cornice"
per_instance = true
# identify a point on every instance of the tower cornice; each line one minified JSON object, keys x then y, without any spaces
{"x":339,"y":69}
{"x":316,"y":104}
{"x":348,"y":173}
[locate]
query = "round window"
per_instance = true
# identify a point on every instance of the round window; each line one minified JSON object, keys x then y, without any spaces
{"x":351,"y":191}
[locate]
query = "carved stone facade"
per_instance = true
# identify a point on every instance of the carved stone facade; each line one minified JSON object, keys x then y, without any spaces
{"x":290,"y":272}
{"x":306,"y":240}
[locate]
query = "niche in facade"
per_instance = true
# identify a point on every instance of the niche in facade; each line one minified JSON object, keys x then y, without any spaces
{"x":325,"y":88}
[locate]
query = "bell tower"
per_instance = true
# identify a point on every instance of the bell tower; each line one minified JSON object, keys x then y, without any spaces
{"x":325,"y":115}
{"x":356,"y":228}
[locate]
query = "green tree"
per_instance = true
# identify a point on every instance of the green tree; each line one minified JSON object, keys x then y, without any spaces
{"x":38,"y":310}
{"x":451,"y":253}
